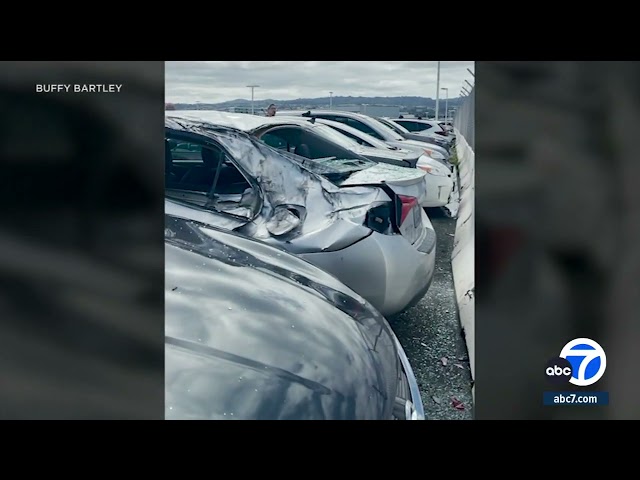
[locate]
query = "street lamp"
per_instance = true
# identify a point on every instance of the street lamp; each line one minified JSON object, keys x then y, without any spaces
{"x":252,"y":87}
{"x":446,"y":104}
{"x":330,"y":100}
{"x":438,"y":91}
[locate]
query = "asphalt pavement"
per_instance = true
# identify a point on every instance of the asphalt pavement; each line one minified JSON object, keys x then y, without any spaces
{"x":431,"y":335}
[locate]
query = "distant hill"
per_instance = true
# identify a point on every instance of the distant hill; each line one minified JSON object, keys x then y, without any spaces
{"x":407,"y":102}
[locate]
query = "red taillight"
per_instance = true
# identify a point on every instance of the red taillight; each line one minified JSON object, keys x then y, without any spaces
{"x":407,"y":204}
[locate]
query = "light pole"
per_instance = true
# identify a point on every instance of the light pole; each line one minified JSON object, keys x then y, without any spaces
{"x":438,"y":91}
{"x":446,"y":103}
{"x":330,"y":100}
{"x":252,"y":88}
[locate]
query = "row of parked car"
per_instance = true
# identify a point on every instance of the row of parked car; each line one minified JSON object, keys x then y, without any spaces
{"x":288,"y":241}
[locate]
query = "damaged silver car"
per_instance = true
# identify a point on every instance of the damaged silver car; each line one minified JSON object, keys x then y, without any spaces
{"x":351,"y":217}
{"x":310,"y":138}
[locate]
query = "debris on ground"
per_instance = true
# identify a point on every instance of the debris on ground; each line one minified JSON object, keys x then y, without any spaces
{"x":457,"y":404}
{"x":435,"y":399}
{"x":444,"y":361}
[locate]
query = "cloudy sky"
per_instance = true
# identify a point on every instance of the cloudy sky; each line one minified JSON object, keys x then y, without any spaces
{"x":214,"y":82}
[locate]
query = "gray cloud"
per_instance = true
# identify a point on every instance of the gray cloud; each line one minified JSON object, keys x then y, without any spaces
{"x":221,"y":81}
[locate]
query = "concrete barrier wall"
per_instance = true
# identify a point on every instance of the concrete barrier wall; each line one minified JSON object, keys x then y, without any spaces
{"x":463,"y":255}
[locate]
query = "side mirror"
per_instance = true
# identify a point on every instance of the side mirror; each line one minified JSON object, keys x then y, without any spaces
{"x":284,"y":220}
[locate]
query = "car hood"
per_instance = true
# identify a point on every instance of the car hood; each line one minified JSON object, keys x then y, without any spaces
{"x":423,"y":137}
{"x":252,"y":332}
{"x":423,"y":142}
{"x":402,"y":157}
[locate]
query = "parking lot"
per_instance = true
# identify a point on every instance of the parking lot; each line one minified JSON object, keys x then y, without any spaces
{"x":389,"y":270}
{"x":431,"y":335}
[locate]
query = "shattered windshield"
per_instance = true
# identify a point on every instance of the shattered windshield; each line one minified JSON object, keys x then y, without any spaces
{"x":332,"y":168}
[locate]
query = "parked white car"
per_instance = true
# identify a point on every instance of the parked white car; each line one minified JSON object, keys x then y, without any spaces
{"x":439,"y":178}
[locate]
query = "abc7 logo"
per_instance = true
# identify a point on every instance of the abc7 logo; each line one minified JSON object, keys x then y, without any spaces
{"x":582,"y":362}
{"x":559,"y":370}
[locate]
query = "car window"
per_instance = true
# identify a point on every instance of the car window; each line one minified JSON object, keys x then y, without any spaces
{"x":369,"y":142}
{"x":394,"y":126}
{"x":315,"y":143}
{"x":412,"y":126}
{"x":336,"y":136}
{"x":357,"y":124}
{"x":355,"y":138}
{"x":274,"y":140}
{"x":205,"y":176}
{"x":407,"y":124}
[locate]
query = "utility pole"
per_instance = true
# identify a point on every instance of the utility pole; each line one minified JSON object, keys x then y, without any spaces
{"x":438,"y":91}
{"x":252,"y":87}
{"x":330,"y":100}
{"x":446,"y":104}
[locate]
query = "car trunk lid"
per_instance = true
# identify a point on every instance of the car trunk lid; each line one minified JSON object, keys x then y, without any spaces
{"x":406,"y":187}
{"x":349,"y":173}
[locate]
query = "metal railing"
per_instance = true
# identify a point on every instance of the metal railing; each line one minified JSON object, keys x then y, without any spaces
{"x":464,"y":119}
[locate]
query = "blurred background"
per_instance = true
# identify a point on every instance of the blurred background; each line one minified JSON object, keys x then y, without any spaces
{"x":81,"y":250}
{"x":557,"y":231}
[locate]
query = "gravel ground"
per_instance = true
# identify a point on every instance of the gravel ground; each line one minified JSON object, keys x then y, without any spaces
{"x":431,"y":335}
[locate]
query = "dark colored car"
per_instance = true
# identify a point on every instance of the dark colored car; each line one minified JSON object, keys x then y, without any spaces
{"x":253,"y":332}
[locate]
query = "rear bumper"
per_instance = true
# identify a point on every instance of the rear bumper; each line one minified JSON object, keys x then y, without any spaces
{"x":438,"y":191}
{"x":386,"y":270}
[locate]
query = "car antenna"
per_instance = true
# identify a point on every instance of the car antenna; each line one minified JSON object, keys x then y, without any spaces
{"x":312,"y":120}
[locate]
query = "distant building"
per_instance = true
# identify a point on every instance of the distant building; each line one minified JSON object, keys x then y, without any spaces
{"x":347,"y":108}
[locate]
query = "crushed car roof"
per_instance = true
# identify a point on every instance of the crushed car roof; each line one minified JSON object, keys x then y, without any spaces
{"x":239,"y":121}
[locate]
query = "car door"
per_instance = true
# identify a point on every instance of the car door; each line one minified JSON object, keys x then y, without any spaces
{"x":204,"y":183}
